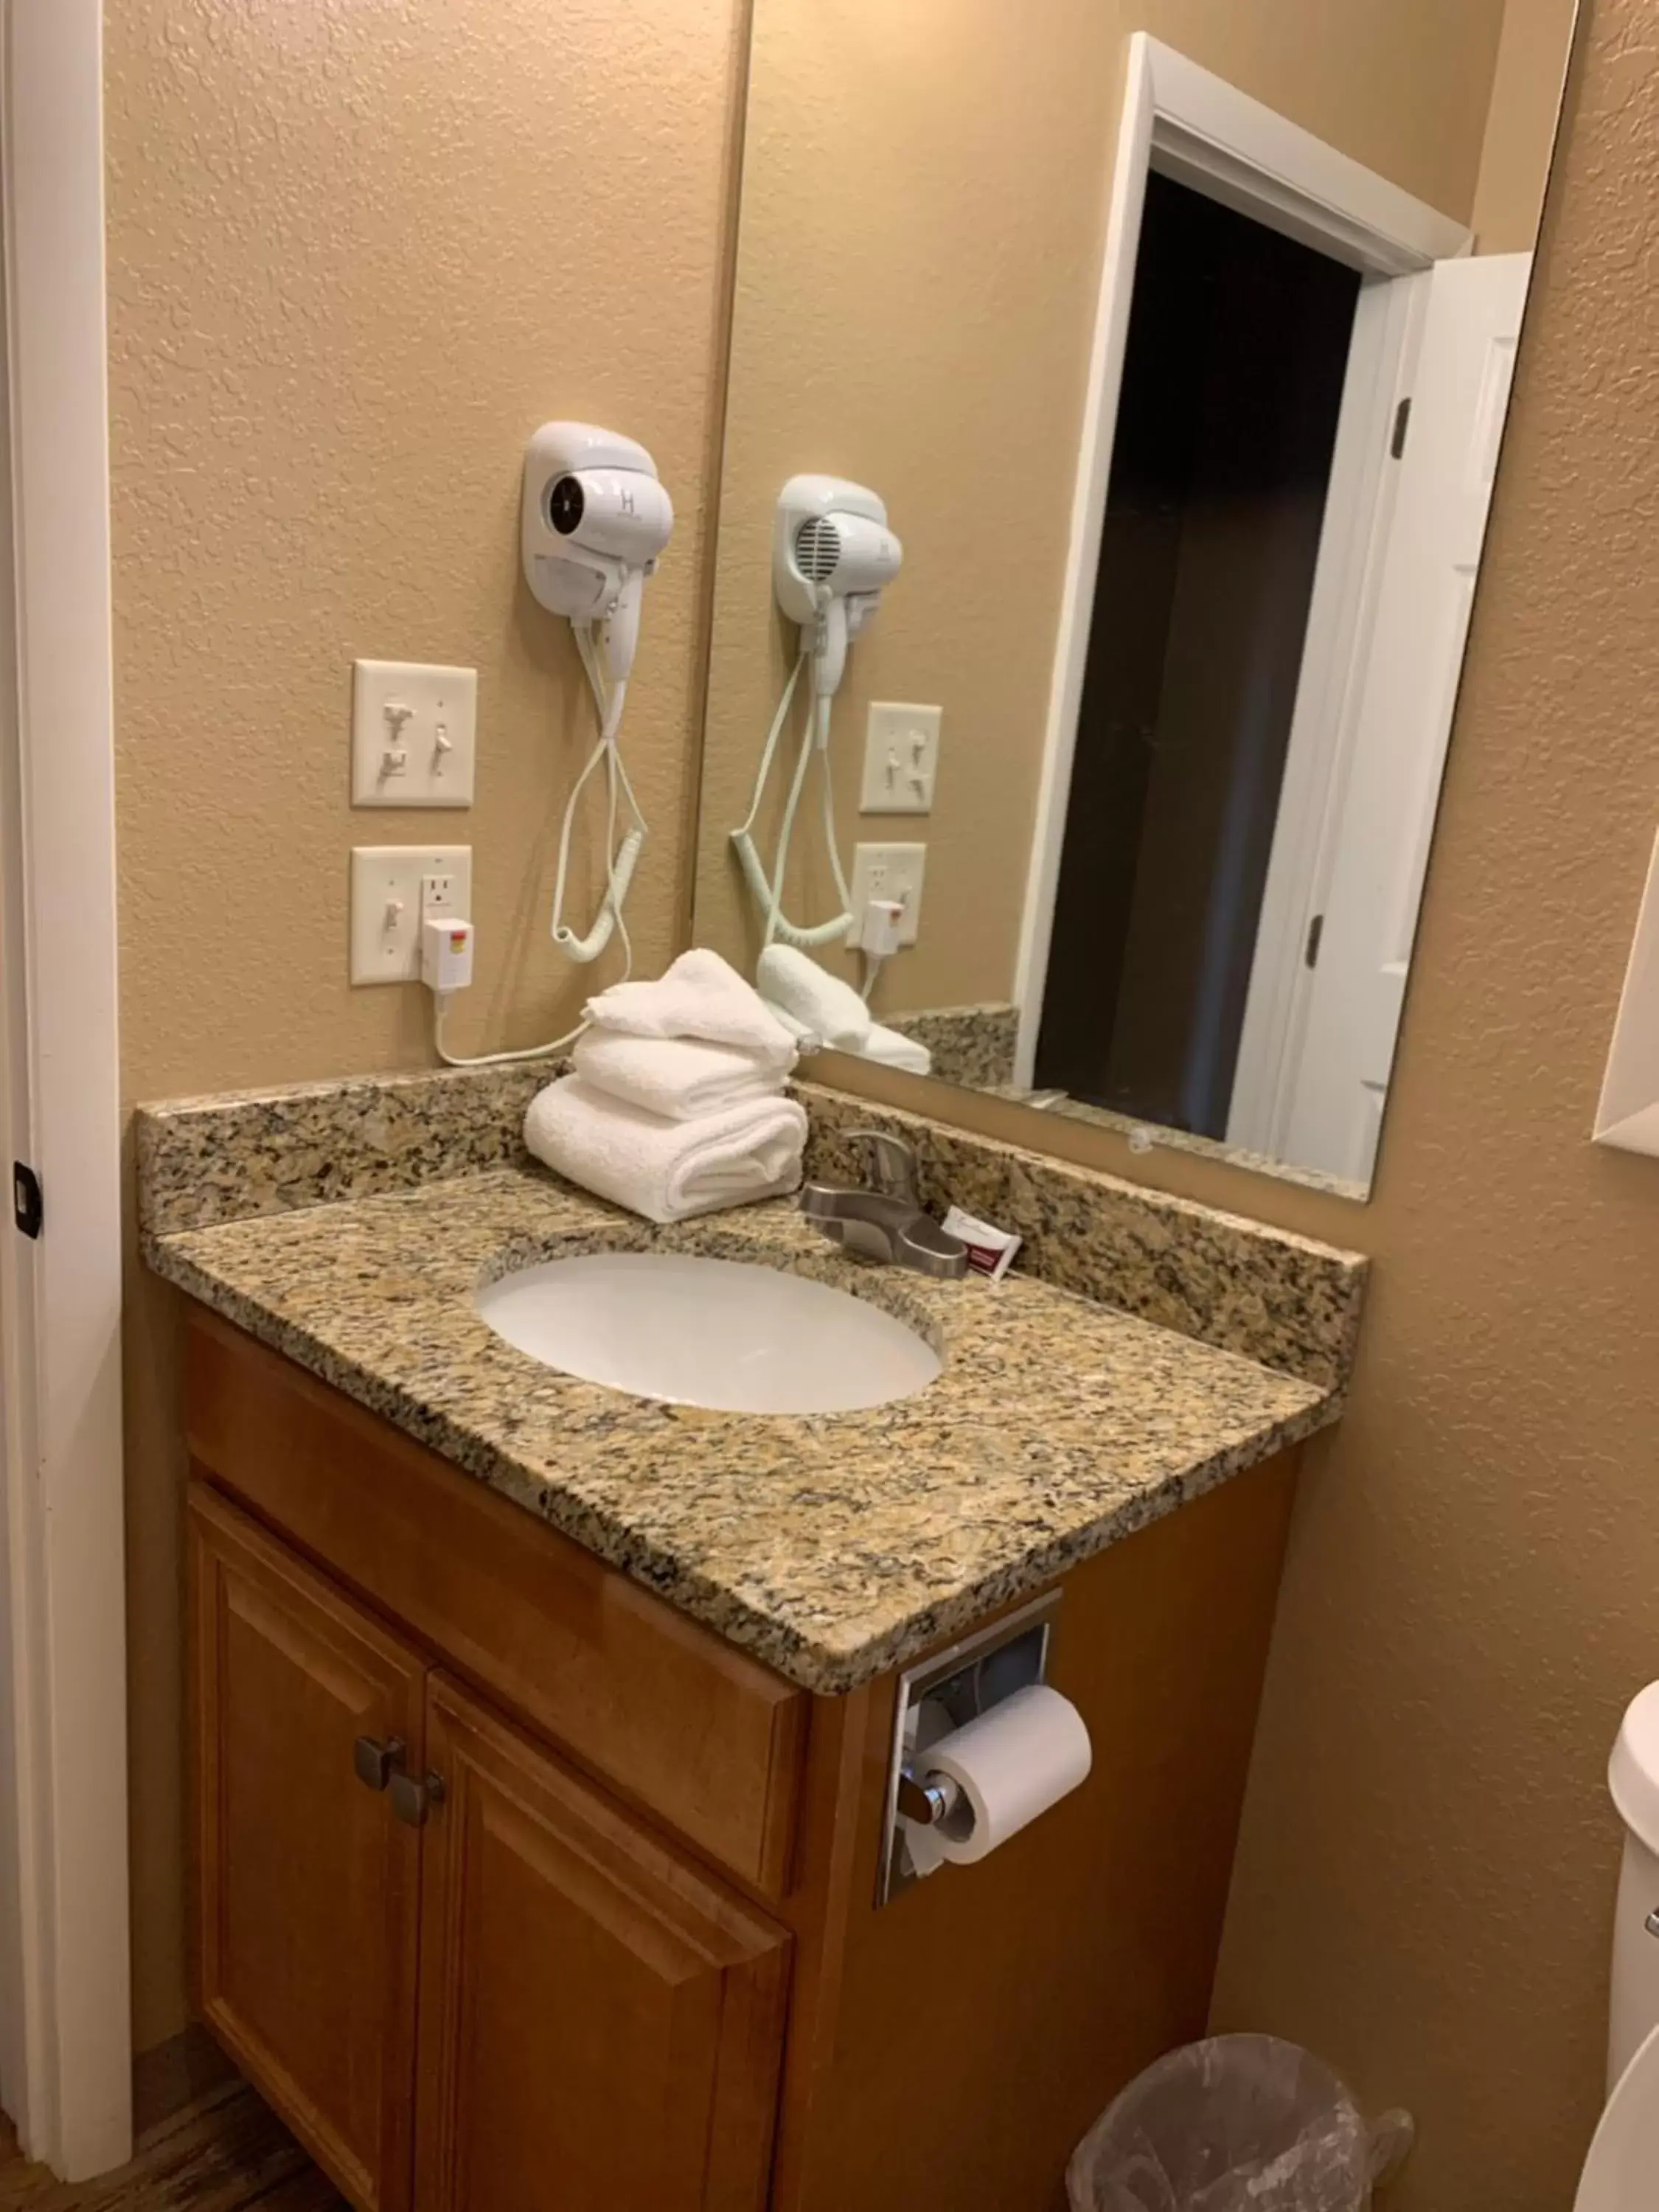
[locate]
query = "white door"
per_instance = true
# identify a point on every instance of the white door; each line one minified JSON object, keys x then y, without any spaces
{"x":1359,"y":503}
{"x":1339,"y":1073}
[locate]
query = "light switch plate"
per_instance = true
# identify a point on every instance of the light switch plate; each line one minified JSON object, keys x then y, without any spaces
{"x":385,"y":905}
{"x":414,"y":734}
{"x":901,"y":758}
{"x":890,"y":872}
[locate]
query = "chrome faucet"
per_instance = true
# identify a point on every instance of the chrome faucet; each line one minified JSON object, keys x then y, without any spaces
{"x":887,"y":1221}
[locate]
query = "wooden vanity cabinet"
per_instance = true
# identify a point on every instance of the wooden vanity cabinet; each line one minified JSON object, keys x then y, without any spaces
{"x":307,"y":1892}
{"x":593,"y":2020}
{"x":601,"y":2022}
{"x":516,"y":1891}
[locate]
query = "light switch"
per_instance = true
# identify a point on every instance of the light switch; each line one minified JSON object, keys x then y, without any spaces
{"x":386,"y":882}
{"x":414,"y":734}
{"x":901,"y":758}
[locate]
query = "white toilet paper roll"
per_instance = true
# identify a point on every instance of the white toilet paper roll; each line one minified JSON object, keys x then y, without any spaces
{"x":1010,"y":1765}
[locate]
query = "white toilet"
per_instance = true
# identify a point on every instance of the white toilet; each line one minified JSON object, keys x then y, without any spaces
{"x":1622,"y":2171}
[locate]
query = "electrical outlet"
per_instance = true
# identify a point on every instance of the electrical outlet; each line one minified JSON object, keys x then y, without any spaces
{"x":901,"y":758}
{"x":414,"y":734}
{"x":440,"y":894}
{"x":890,"y":872}
{"x":392,"y":887}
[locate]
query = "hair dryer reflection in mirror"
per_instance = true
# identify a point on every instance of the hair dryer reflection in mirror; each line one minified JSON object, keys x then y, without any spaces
{"x":832,"y":557}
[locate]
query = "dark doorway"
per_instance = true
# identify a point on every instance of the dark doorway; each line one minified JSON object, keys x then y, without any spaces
{"x":1237,"y":351}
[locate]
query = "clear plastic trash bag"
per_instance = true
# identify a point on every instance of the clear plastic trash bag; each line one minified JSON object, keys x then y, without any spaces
{"x":1239,"y":2123}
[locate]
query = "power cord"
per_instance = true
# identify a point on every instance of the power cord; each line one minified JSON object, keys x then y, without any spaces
{"x":768,"y":894}
{"x":619,"y":872}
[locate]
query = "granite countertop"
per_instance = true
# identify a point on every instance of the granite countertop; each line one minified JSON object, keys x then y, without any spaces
{"x":833,"y":1546}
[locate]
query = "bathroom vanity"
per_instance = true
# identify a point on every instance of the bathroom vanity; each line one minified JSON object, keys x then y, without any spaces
{"x":544,"y":1737}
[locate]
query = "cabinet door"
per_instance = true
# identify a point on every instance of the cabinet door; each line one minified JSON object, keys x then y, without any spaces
{"x":600,"y":2023}
{"x":308,"y":1888}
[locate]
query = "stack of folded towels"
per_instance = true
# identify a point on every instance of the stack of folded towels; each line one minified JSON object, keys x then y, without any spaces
{"x":818,"y":1009}
{"x":677,"y":1105}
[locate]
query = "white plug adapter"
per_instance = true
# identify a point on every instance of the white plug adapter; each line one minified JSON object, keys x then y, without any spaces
{"x":878,"y":928}
{"x":445,"y":953}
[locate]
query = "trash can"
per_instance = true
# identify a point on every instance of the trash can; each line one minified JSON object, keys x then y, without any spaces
{"x":1238,"y":2124}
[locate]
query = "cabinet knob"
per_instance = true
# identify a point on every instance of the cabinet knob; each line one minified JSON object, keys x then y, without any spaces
{"x":374,"y":1763}
{"x":411,"y":1801}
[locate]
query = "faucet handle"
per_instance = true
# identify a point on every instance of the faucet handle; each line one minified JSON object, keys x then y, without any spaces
{"x":892,"y":1164}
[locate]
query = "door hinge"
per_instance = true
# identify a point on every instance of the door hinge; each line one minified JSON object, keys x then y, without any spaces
{"x":1310,"y":949}
{"x":1402,"y":416}
{"x":27,"y":1208}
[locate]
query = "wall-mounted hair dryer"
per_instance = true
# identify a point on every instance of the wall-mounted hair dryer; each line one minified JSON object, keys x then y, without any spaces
{"x":595,"y":517}
{"x":592,"y":519}
{"x":832,"y":555}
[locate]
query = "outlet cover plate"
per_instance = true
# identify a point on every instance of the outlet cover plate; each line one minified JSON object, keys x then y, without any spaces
{"x":890,"y":872}
{"x":901,"y":758}
{"x":414,"y":734}
{"x":385,"y":905}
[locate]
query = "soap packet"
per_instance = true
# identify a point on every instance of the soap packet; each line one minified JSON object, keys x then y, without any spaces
{"x":990,"y":1250}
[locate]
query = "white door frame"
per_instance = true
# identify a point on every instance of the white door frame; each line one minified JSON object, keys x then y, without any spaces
{"x":68,"y":2055}
{"x":1189,"y":124}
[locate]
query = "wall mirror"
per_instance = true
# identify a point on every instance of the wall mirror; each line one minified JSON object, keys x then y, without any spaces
{"x":1116,"y":397}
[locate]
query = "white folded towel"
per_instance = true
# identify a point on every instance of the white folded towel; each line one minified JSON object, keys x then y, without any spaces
{"x":809,"y":995}
{"x":699,"y":996}
{"x":893,"y":1049}
{"x":667,"y":1170}
{"x":678,"y":1077}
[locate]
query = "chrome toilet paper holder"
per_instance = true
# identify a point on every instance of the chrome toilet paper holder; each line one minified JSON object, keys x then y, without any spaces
{"x":968,"y":1680}
{"x":930,"y":1799}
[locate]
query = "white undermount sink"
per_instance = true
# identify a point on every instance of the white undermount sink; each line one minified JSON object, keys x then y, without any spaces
{"x":702,"y":1332}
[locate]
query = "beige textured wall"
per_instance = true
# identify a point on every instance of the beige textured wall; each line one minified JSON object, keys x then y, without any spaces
{"x":1424,"y":1888}
{"x":359,"y":249}
{"x":924,"y":190}
{"x":1525,"y":98}
{"x":1424,"y":1883}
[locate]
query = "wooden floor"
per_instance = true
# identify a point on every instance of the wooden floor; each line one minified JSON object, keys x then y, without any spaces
{"x":224,"y":2153}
